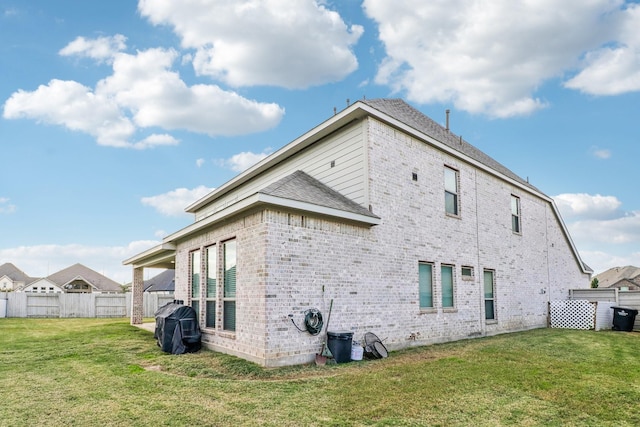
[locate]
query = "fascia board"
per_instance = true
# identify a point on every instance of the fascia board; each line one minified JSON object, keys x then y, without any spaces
{"x":152,"y":255}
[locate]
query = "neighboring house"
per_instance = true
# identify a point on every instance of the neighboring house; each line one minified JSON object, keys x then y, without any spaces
{"x":400,"y":226}
{"x":12,"y":278}
{"x":163,"y":283}
{"x":624,"y":278}
{"x":43,"y":286}
{"x":81,"y":279}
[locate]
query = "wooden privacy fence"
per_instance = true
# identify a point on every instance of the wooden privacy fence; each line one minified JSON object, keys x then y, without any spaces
{"x":27,"y":304}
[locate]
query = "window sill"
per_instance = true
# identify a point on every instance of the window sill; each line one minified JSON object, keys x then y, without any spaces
{"x":429,"y":310}
{"x":227,"y":334}
{"x":450,"y":215}
{"x":450,"y":310}
{"x":491,"y":321}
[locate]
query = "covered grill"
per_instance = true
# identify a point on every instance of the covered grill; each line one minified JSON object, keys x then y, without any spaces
{"x":177,"y":330}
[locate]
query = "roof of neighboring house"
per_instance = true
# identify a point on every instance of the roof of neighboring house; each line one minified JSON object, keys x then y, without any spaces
{"x":163,"y":282}
{"x":93,"y":278}
{"x":614,"y":275}
{"x":14,"y":273}
{"x":301,"y":187}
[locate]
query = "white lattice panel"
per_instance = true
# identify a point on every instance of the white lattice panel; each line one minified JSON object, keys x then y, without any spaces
{"x":573,"y":314}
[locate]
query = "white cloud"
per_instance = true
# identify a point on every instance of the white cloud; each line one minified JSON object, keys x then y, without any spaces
{"x":287,"y":43}
{"x":6,"y":207}
{"x":100,"y":49}
{"x":70,"y":104}
{"x":613,"y":70}
{"x":243,"y":161}
{"x":44,"y":260}
{"x":200,"y":162}
{"x":616,"y":231}
{"x":588,"y":206}
{"x":142,"y":93}
{"x":601,"y":153}
{"x":174,"y":202}
{"x":489,"y":56}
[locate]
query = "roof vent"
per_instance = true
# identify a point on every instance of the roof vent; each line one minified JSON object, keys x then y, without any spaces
{"x":447,"y":111}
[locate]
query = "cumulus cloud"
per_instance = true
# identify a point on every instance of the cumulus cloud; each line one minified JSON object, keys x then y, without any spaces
{"x":43,"y":260}
{"x":100,"y":49}
{"x":174,"y":202}
{"x":287,"y":43}
{"x":243,"y":161}
{"x":613,"y":70}
{"x":142,"y":93}
{"x":6,"y":207}
{"x":588,"y":206}
{"x":491,"y":56}
{"x":616,"y":231}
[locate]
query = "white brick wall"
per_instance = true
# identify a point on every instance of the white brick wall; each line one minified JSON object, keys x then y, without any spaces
{"x":290,"y":262}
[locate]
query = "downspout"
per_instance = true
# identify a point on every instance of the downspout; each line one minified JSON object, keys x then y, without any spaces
{"x":483,"y":323}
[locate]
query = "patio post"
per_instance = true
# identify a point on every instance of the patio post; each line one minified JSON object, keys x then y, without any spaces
{"x":137,"y":296}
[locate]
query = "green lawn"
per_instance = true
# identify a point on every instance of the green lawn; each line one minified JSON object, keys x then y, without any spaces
{"x":104,"y":372}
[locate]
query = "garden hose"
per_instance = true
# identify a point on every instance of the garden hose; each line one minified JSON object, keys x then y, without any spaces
{"x":312,"y":321}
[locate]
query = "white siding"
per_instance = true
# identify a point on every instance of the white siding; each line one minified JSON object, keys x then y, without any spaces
{"x":345,"y":148}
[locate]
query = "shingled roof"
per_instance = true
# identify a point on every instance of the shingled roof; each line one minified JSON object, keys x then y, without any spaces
{"x":163,"y":282}
{"x":405,"y":113}
{"x":301,"y":187}
{"x":93,"y":278}
{"x":14,"y":273}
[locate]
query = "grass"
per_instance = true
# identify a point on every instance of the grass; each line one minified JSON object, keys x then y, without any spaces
{"x":104,"y":372}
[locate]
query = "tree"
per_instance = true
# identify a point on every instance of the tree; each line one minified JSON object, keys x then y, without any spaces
{"x":594,"y":282}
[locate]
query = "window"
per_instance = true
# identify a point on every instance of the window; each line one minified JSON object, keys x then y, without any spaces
{"x":451,"y":191}
{"x":211,"y":291}
{"x":447,"y":285}
{"x":229,"y":285}
{"x":489,"y":296}
{"x":195,"y":281}
{"x":467,"y":273}
{"x":515,"y":214}
{"x":425,"y":284}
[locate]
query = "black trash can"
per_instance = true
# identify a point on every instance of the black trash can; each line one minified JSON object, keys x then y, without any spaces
{"x":624,"y":318}
{"x":339,"y":344}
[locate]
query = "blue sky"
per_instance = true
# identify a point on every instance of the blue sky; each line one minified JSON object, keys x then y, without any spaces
{"x":117,"y":115}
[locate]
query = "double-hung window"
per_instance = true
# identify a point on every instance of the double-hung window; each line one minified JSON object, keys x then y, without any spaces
{"x":195,"y":280}
{"x":515,"y":214}
{"x":211,"y":291}
{"x":451,"y":202}
{"x":446,"y":277}
{"x":489,"y":295}
{"x":425,"y":284}
{"x":229,"y":286}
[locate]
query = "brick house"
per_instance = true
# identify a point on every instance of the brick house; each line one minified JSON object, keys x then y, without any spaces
{"x":413,"y":233}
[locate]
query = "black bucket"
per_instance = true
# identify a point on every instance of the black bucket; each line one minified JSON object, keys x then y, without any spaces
{"x":339,"y":344}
